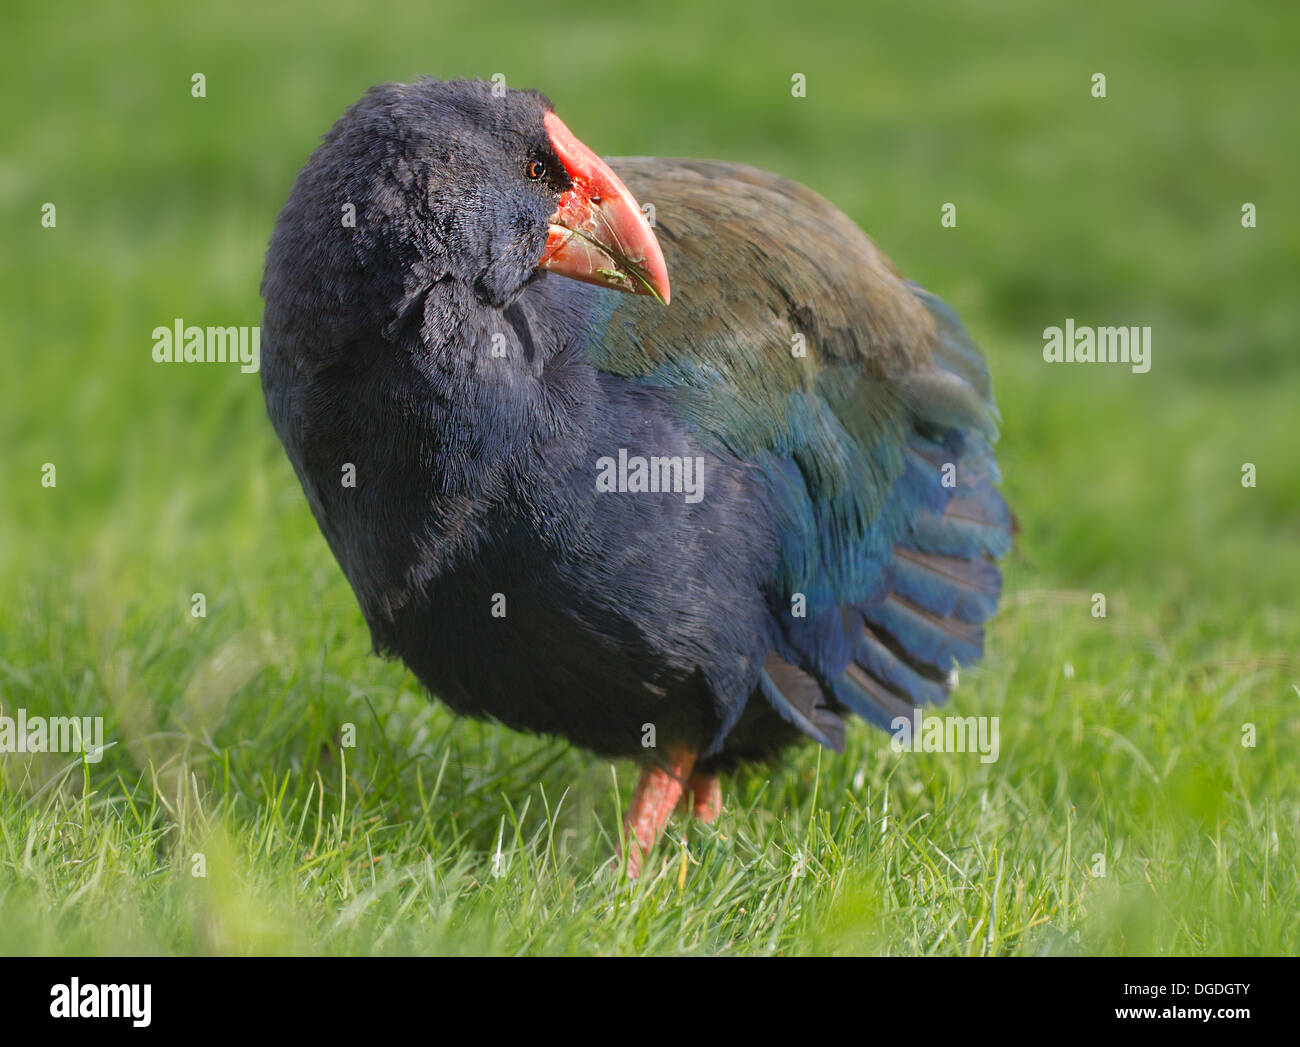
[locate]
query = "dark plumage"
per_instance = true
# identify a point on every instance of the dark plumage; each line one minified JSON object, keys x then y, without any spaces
{"x":824,"y":473}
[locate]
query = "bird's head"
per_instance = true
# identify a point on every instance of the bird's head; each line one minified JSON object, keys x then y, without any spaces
{"x":462,"y":181}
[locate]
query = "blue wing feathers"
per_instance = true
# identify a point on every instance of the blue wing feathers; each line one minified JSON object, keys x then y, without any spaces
{"x":918,"y":569}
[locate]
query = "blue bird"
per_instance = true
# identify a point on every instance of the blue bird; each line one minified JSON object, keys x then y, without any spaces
{"x":685,"y":492}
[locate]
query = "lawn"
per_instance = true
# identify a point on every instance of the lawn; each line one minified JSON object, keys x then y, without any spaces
{"x":271,"y":786}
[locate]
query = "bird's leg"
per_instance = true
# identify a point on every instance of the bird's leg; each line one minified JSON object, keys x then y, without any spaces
{"x":657,"y":793}
{"x":705,"y":796}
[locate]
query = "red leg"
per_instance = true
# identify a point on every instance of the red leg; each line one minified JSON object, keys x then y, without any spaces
{"x":657,"y":793}
{"x":705,"y":796}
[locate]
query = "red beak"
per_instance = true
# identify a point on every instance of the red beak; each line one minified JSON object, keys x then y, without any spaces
{"x":598,"y":233}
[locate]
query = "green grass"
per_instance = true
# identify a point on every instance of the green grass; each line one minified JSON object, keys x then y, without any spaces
{"x":433,"y":835}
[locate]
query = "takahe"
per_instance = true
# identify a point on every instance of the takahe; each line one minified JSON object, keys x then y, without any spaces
{"x":689,"y":527}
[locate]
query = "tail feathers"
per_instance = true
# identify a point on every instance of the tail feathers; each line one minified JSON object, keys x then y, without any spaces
{"x":948,"y":586}
{"x":974,"y":523}
{"x":945,"y":398}
{"x":798,"y":698}
{"x":867,"y":696}
{"x":878,"y":655}
{"x":905,"y":656}
{"x":903,"y":643}
{"x":944,"y":587}
{"x":934,"y":544}
{"x":954,"y":350}
{"x":928,"y":637}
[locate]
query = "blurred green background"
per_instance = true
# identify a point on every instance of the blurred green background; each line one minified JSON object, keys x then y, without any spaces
{"x":1115,"y":211}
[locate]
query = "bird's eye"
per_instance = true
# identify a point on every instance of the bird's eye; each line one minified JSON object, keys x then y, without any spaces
{"x":535,"y":169}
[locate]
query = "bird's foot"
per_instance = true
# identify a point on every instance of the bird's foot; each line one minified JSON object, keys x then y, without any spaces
{"x":705,"y":797}
{"x":659,"y":790}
